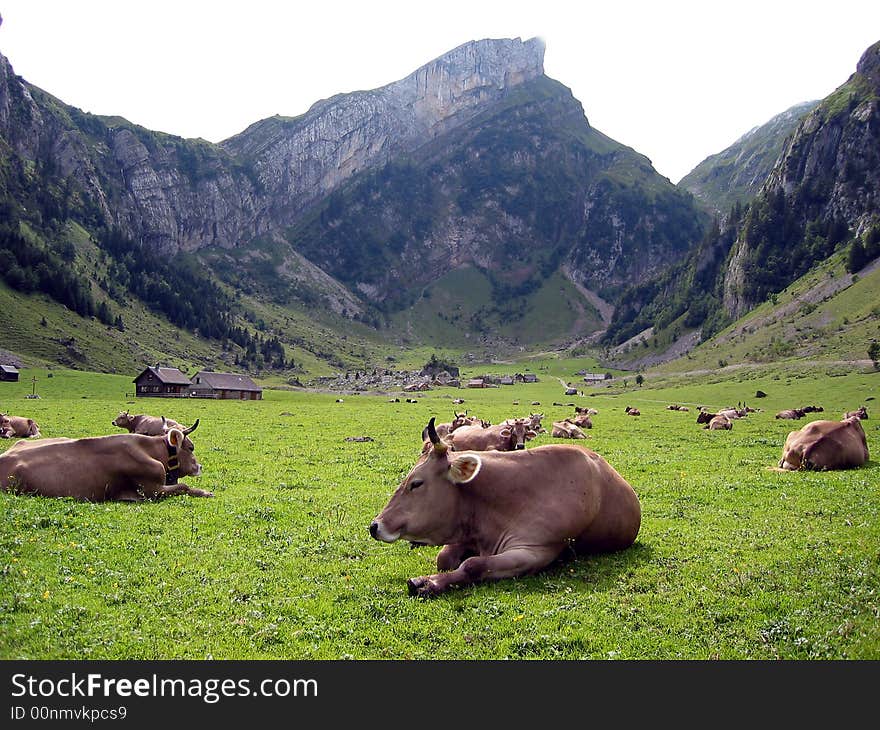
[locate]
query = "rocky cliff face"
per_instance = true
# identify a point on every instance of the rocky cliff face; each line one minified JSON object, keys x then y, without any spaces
{"x":525,"y":189}
{"x":300,"y":160}
{"x":823,"y":189}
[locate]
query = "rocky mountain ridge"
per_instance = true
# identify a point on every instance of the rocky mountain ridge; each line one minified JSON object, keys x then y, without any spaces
{"x":471,"y":157}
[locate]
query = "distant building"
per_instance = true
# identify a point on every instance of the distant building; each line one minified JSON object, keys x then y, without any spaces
{"x":226,"y":386}
{"x":476,"y":383}
{"x":594,"y":377}
{"x":529,"y":378}
{"x":506,"y":380}
{"x":8,"y":373}
{"x":159,"y":382}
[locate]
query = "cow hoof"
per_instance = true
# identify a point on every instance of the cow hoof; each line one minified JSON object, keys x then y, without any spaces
{"x":421,"y":587}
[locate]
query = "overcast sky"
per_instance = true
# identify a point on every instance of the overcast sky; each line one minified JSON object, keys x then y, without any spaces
{"x":676,"y":80}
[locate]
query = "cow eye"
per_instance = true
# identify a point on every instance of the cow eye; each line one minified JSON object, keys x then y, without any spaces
{"x":416,"y":483}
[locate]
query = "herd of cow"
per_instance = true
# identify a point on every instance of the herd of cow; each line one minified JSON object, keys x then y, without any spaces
{"x":498,"y":509}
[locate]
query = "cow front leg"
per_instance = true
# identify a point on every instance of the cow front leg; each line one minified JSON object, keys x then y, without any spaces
{"x":175,"y":490}
{"x":509,"y":564}
{"x":452,"y":556}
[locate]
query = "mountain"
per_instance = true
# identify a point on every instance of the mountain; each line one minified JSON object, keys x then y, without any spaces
{"x":821,"y":196}
{"x":474,"y":168}
{"x":735,"y":174}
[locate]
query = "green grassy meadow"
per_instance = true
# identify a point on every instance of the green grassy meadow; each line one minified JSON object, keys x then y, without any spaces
{"x":733,"y":561}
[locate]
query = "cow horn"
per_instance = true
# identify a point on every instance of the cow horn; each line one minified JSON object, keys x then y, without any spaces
{"x":192,"y":428}
{"x":439,"y":446}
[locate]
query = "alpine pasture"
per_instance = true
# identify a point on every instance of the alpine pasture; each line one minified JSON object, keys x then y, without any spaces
{"x":733,"y":561}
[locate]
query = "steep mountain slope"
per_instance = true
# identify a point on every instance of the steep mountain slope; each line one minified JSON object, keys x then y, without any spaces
{"x":735,"y":174}
{"x":526,"y":189}
{"x":352,"y":209}
{"x":822,"y":194}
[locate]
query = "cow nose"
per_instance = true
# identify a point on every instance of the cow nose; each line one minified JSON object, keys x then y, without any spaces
{"x":374,"y":529}
{"x":520,"y":446}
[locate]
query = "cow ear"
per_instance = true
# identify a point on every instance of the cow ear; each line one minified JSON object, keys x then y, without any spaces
{"x":174,"y":437}
{"x":505,"y":433}
{"x":464,"y":468}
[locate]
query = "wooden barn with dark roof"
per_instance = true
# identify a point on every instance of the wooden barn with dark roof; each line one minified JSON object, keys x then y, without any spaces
{"x":9,"y":373}
{"x":207,"y":384}
{"x":159,"y":382}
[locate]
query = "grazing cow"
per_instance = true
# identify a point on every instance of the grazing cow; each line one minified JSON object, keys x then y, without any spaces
{"x":586,"y":411}
{"x":18,"y":427}
{"x":457,"y":401}
{"x":566,"y":430}
{"x":633,"y":411}
{"x":791,"y":413}
{"x":126,"y":467}
{"x":508,"y":436}
{"x":148,"y":425}
{"x":507,"y":514}
{"x":861,"y":413}
{"x":812,"y":409}
{"x":826,"y":445}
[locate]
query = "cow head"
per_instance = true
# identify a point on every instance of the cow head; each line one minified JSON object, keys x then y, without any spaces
{"x":460,"y":419}
{"x":423,"y":509}
{"x":123,"y":420}
{"x":705,"y":417}
{"x":518,"y":431}
{"x":178,"y":441}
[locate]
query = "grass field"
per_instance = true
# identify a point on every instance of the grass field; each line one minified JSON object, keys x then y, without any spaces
{"x":733,"y":561}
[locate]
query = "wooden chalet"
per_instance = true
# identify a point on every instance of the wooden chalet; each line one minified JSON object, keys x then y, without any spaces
{"x":159,"y":382}
{"x":8,"y":373}
{"x":226,"y":386}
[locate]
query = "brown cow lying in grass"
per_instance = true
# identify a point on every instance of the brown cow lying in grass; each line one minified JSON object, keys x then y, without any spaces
{"x":566,"y":430}
{"x":148,"y":425}
{"x":18,"y":427}
{"x":715,"y":421}
{"x":826,"y":445}
{"x":503,"y":514}
{"x":125,"y":467}
{"x":508,"y":436}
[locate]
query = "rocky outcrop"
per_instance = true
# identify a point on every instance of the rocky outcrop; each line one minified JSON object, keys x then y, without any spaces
{"x":823,"y":189}
{"x":300,"y":160}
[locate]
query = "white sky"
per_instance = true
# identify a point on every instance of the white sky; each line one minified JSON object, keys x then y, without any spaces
{"x":676,"y":80}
